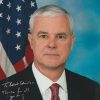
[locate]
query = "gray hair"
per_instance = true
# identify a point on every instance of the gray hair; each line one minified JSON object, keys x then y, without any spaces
{"x":50,"y":10}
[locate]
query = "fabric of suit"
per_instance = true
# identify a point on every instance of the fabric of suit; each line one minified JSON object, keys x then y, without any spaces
{"x":23,"y":86}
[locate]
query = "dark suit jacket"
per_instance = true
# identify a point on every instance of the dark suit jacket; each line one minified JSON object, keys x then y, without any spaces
{"x":23,"y":86}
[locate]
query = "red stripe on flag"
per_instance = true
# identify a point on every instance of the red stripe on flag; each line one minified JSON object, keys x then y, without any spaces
{"x":19,"y":66}
{"x":2,"y":74}
{"x":29,"y":54}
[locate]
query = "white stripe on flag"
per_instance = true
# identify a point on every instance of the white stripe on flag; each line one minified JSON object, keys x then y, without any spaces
{"x":5,"y":63}
{"x":25,"y":61}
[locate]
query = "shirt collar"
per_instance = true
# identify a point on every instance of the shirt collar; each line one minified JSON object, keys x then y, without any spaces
{"x":62,"y":81}
{"x":44,"y":83}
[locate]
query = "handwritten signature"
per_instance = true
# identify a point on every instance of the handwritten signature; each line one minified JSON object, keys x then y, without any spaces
{"x":13,"y":84}
{"x":16,"y":89}
{"x":15,"y":93}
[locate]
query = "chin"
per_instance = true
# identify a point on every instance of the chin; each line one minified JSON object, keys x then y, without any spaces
{"x":52,"y":65}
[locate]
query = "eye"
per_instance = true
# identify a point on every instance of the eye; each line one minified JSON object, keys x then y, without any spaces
{"x":43,"y":36}
{"x":61,"y":37}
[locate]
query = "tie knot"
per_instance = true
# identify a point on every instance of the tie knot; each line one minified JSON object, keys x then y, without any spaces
{"x":55,"y":91}
{"x":54,"y":86}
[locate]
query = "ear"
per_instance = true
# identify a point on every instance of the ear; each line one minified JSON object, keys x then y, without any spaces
{"x":30,"y":39}
{"x":73,"y":39}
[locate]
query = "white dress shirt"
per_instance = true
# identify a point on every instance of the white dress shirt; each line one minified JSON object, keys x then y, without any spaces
{"x":44,"y":84}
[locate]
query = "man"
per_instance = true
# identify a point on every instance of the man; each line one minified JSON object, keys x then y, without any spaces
{"x":51,"y":38}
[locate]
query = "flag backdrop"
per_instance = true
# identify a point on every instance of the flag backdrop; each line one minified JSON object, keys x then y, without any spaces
{"x":15,"y":52}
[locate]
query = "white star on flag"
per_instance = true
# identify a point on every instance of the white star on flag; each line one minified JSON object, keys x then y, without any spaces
{"x":1,"y":2}
{"x":9,"y":5}
{"x":18,"y":21}
{"x":18,"y":34}
{"x":32,"y":4}
{"x":8,"y":31}
{"x":8,"y":18}
{"x":1,"y":14}
{"x":18,"y":47}
{"x":18,"y":8}
{"x":23,"y":0}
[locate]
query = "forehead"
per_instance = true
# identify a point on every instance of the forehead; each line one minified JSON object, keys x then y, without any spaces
{"x":62,"y":18}
{"x":51,"y":23}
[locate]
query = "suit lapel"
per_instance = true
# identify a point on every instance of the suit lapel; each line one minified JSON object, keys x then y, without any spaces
{"x":34,"y":91}
{"x":71,"y":86}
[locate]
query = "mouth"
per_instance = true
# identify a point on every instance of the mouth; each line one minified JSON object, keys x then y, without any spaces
{"x":51,"y":54}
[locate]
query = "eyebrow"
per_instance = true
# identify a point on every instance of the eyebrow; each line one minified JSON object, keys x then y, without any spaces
{"x":42,"y":32}
{"x":61,"y":33}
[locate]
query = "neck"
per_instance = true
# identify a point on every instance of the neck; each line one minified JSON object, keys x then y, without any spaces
{"x":52,"y":73}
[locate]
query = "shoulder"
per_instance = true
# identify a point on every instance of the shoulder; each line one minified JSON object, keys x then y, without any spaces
{"x":18,"y":78}
{"x":20,"y":75}
{"x":21,"y":83}
{"x":79,"y":79}
{"x":82,"y":84}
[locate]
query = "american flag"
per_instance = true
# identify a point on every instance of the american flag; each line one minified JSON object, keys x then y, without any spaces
{"x":15,"y":52}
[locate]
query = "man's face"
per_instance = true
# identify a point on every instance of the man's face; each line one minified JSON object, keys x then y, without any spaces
{"x":50,"y":41}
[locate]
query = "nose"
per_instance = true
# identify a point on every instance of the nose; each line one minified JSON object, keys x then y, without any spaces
{"x":52,"y":43}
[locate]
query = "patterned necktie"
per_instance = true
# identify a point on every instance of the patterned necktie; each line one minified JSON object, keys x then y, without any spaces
{"x":55,"y":91}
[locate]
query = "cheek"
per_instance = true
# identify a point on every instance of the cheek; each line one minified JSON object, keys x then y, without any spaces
{"x":37,"y":47}
{"x":66,"y":47}
{"x":69,"y":44}
{"x":33,"y":45}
